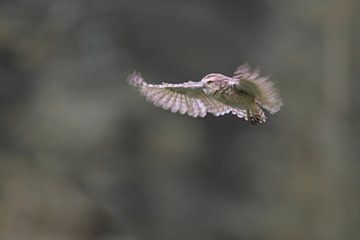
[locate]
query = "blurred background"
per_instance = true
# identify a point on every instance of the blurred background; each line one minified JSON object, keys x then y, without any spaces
{"x":83,"y":156}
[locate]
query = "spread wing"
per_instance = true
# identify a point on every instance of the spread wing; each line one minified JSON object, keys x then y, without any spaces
{"x":184,"y":98}
{"x":261,"y":88}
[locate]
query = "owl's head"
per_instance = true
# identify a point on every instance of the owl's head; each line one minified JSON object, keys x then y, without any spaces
{"x":213,"y":82}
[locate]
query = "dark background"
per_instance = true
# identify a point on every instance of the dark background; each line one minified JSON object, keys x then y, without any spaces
{"x":82,"y":156}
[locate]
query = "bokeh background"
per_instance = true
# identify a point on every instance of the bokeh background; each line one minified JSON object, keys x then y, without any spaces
{"x":82,"y":156}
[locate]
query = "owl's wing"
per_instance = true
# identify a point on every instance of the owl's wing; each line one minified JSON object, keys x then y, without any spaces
{"x":261,"y":88}
{"x":184,"y":98}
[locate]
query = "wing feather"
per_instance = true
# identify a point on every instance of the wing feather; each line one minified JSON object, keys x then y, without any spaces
{"x":184,"y":106}
{"x":177,"y":101}
{"x":158,"y":99}
{"x":151,"y":94}
{"x":266,"y":95}
{"x":190,"y":105}
{"x":202,"y":108}
{"x":170,"y":101}
{"x":197,"y":109}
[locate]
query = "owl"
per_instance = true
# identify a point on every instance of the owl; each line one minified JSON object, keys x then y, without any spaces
{"x":245,"y":94}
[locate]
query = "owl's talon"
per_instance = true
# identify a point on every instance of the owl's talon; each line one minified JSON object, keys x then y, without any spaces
{"x":254,"y":118}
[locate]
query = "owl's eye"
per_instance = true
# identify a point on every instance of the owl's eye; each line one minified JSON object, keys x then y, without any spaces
{"x":210,"y":82}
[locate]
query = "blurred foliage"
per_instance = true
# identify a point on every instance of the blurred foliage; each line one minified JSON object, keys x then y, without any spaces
{"x":82,"y":156}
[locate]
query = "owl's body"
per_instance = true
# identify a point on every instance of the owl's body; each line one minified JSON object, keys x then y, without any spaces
{"x":244,"y":95}
{"x":233,"y":97}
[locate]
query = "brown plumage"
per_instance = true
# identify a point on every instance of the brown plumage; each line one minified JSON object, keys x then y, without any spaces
{"x":245,"y":95}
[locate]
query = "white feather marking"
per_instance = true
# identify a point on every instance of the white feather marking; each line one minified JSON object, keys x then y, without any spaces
{"x":202,"y":107}
{"x":197,"y":106}
{"x":157,"y":95}
{"x":206,"y":104}
{"x":239,"y":113}
{"x":213,"y":106}
{"x":164,"y":99}
{"x":167,"y":105}
{"x":191,"y":111}
{"x":176,"y":105}
{"x":183,"y":104}
{"x":159,"y":99}
{"x":221,"y":109}
{"x":210,"y":105}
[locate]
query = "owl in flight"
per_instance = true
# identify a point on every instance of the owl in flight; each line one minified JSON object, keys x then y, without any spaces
{"x":245,"y":95}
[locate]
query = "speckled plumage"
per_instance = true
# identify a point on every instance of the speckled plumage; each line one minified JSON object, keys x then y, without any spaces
{"x":245,"y":95}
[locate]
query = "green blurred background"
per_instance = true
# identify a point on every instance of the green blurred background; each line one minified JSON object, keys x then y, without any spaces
{"x":82,"y":156}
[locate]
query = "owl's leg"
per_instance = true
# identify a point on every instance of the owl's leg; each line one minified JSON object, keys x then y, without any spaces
{"x":255,"y":115}
{"x":252,"y":118}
